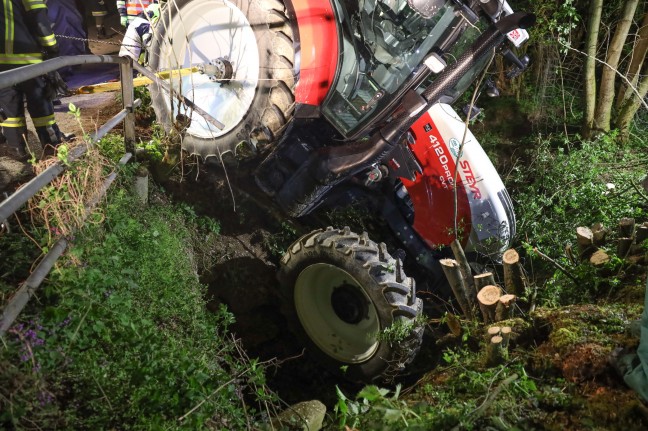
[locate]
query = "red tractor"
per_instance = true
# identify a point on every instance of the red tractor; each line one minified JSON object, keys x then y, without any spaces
{"x":343,"y":101}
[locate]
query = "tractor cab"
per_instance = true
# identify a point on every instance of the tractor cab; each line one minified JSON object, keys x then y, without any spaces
{"x":382,"y":44}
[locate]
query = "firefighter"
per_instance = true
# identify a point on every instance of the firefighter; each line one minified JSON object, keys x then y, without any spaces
{"x":139,"y":33}
{"x":130,"y":9}
{"x":99,"y":13}
{"x":631,"y":364}
{"x":26,"y":38}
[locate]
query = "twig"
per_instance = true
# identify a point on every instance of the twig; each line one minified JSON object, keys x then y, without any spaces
{"x":615,"y":70}
{"x":102,"y":391}
{"x":639,"y":192}
{"x":490,"y":398}
{"x":479,"y":411}
{"x":556,"y":264}
{"x":183,"y":417}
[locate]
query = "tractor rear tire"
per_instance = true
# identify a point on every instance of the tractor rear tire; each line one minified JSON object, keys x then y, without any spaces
{"x":350,"y":302}
{"x":257,"y":102}
{"x":67,"y":21}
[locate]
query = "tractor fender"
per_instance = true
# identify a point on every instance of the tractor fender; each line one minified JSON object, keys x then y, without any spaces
{"x":317,"y":48}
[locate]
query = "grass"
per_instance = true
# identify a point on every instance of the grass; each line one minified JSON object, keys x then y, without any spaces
{"x":120,"y":337}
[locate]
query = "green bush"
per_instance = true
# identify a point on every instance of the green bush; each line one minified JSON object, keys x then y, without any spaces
{"x":561,"y":185}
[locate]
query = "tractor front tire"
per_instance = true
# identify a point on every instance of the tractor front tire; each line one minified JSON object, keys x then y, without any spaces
{"x":350,"y":302}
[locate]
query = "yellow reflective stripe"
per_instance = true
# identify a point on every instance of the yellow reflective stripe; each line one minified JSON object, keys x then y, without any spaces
{"x":47,"y":40}
{"x":99,"y":13}
{"x":13,"y":122}
{"x":48,"y":120}
{"x":33,"y":4}
{"x":21,"y":58}
{"x":9,"y":31}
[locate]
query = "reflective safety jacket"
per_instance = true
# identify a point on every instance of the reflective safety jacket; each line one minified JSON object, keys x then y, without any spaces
{"x":25,"y":33}
{"x":132,"y":8}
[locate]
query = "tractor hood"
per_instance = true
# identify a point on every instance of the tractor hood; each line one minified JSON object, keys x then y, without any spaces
{"x":449,"y":153}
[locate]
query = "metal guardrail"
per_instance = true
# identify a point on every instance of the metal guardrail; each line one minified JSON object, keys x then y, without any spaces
{"x":21,"y":196}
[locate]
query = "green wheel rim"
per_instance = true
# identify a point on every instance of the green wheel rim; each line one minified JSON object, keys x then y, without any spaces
{"x":336,"y":313}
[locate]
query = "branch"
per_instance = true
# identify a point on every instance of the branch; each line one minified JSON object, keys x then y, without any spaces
{"x":627,"y":81}
{"x":639,"y":192}
{"x":556,"y":264}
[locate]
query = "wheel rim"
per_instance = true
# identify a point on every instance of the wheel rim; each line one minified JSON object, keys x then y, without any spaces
{"x":204,"y":31}
{"x":336,"y":313}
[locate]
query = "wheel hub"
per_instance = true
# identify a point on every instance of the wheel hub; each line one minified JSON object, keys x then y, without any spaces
{"x":349,"y":304}
{"x":219,"y":70}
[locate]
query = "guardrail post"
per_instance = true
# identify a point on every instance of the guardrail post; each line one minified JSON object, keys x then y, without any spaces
{"x":128,"y":96}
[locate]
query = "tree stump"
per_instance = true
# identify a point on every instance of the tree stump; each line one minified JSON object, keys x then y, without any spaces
{"x":585,"y":240}
{"x":492,"y":331}
{"x":642,"y":233}
{"x":453,"y":274}
{"x":505,"y":333}
{"x":623,"y":247}
{"x":487,"y":298}
{"x":495,"y":352}
{"x":626,"y":227}
{"x":599,"y":232}
{"x":484,"y":279}
{"x":514,"y":279}
{"x":599,"y":258}
{"x":504,"y":306}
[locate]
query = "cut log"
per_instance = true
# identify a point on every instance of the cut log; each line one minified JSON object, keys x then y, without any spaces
{"x":505,"y":332}
{"x":584,"y":236}
{"x":626,"y":227}
{"x":599,"y":232}
{"x":484,"y":279}
{"x":466,"y":272}
{"x":504,"y":306}
{"x":636,"y":249}
{"x":642,"y":233}
{"x":623,"y":247}
{"x":495,"y":352}
{"x":585,"y":240}
{"x":455,"y":279}
{"x":487,"y":299}
{"x":638,"y":259}
{"x":492,"y":331}
{"x":514,"y":279}
{"x":599,"y":258}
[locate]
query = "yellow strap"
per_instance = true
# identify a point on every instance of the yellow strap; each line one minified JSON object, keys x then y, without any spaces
{"x":9,"y":27}
{"x":137,"y":82}
{"x":47,"y":120}
{"x":33,"y":4}
{"x":47,"y":40}
{"x":21,"y":58}
{"x":13,"y":122}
